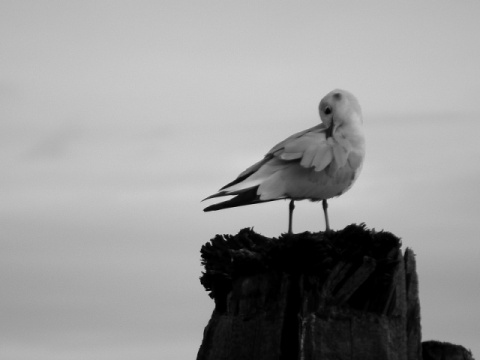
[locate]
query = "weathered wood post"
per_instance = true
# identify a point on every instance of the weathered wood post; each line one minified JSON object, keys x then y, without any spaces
{"x":349,"y":294}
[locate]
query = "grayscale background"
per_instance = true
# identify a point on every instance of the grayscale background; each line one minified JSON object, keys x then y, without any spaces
{"x":118,"y":117}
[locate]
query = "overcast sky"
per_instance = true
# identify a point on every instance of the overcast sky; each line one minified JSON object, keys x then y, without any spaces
{"x":118,"y":117}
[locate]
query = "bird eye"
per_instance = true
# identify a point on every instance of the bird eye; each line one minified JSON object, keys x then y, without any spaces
{"x":328,"y":110}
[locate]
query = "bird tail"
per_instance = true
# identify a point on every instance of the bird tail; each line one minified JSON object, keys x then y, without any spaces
{"x":245,"y":198}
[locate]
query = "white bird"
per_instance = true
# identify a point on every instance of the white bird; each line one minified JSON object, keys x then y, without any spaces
{"x":315,"y":164}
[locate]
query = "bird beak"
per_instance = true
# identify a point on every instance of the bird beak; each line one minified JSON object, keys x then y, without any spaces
{"x":329,"y":132}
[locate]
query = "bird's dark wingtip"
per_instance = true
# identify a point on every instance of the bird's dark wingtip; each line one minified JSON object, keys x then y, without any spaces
{"x":221,"y":193}
{"x":245,"y":198}
{"x":210,"y":208}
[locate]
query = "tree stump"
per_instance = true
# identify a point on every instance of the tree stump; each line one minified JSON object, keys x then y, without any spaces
{"x":349,"y":294}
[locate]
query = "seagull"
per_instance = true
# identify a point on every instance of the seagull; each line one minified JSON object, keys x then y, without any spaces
{"x":316,"y":164}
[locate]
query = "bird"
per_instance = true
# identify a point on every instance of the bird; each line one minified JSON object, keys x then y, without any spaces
{"x":315,"y":164}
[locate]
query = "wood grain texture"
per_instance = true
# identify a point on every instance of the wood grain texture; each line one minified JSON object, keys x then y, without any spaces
{"x":350,"y":294}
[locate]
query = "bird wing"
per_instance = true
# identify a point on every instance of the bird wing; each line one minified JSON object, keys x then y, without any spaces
{"x":273,"y":152}
{"x":317,"y":128}
{"x":310,"y":148}
{"x":278,"y":157}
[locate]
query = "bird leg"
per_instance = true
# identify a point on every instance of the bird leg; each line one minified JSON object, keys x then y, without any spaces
{"x":290,"y":215}
{"x":325,"y":207}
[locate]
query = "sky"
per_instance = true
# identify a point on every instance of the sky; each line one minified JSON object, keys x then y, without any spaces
{"x":118,"y":117}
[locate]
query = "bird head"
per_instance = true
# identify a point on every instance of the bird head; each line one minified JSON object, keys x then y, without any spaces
{"x":338,"y":108}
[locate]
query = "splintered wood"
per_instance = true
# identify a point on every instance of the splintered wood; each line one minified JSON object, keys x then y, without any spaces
{"x":350,"y":294}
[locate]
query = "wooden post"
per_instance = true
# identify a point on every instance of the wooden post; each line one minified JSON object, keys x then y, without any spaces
{"x":349,"y":294}
{"x":437,"y":350}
